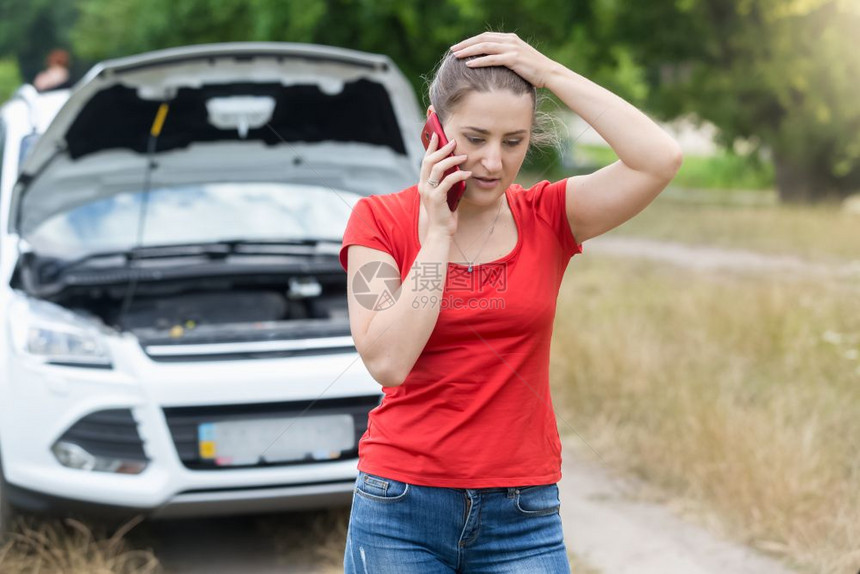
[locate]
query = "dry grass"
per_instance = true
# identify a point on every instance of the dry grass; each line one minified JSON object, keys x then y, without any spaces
{"x":736,"y":394}
{"x":722,"y":219}
{"x":71,"y":547}
{"x":302,"y":542}
{"x":318,"y":537}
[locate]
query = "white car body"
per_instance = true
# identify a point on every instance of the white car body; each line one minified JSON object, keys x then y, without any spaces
{"x":148,"y":393}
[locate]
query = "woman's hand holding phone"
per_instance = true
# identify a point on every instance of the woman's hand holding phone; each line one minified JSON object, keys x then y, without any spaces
{"x":435,"y":199}
{"x":434,"y":126}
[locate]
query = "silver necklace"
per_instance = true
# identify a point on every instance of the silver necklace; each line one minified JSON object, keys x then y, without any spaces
{"x":492,"y":226}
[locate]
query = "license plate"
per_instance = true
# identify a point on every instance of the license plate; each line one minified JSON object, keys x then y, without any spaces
{"x":232,"y":443}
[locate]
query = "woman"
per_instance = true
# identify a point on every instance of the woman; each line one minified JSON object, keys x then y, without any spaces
{"x":459,"y":464}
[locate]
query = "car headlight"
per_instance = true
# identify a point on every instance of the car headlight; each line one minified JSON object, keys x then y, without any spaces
{"x":54,"y":335}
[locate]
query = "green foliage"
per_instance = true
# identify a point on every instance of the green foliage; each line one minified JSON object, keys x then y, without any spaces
{"x":10,"y":79}
{"x":724,"y":170}
{"x":108,"y":29}
{"x":780,"y":73}
{"x":414,"y":33}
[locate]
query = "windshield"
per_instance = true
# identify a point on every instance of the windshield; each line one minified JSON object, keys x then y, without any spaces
{"x":199,"y":213}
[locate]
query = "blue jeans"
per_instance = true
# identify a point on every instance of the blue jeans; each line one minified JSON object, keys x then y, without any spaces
{"x":401,"y":528}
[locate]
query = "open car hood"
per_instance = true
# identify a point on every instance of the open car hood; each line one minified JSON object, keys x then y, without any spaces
{"x":335,"y":117}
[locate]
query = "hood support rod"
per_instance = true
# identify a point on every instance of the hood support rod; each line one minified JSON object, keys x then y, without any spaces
{"x":154,"y":132}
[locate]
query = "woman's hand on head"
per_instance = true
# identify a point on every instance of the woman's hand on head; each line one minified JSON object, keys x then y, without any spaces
{"x":435,"y":198}
{"x":498,"y":49}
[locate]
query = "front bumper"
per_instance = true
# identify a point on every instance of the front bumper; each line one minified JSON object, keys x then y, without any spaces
{"x":226,"y":502}
{"x":44,"y":401}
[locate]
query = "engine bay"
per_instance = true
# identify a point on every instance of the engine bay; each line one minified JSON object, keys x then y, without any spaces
{"x":208,"y":302}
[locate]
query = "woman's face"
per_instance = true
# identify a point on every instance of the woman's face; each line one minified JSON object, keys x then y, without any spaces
{"x":493,"y":129}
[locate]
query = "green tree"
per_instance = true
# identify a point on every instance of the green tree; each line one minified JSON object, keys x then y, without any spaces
{"x":782,"y":73}
{"x":414,"y":33}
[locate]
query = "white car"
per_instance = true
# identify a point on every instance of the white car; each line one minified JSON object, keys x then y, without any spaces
{"x":174,"y":336}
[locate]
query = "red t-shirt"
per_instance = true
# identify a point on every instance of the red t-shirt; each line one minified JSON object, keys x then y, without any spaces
{"x":475,"y":411}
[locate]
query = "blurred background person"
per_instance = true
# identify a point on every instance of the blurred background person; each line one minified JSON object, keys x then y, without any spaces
{"x":55,"y":76}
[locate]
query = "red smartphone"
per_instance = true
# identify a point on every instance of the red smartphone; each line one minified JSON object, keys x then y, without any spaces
{"x":434,"y":126}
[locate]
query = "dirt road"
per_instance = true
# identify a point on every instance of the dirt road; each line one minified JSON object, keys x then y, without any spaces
{"x":717,"y":259}
{"x":613,"y":532}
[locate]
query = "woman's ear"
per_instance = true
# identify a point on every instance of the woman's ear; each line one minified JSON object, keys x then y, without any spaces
{"x":430,"y":110}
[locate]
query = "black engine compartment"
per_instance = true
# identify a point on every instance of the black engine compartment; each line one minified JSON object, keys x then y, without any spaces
{"x":208,"y":302}
{"x":204,"y":298}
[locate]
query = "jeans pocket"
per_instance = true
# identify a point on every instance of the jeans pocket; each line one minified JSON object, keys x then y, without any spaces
{"x":374,"y":487}
{"x":539,"y":500}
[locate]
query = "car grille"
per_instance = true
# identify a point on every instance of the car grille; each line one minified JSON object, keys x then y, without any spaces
{"x":252,"y":350}
{"x":267,"y":340}
{"x":184,"y":422}
{"x":110,"y":433}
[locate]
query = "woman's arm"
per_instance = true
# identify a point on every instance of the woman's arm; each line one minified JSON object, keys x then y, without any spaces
{"x":391,"y":339}
{"x":648,"y":157}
